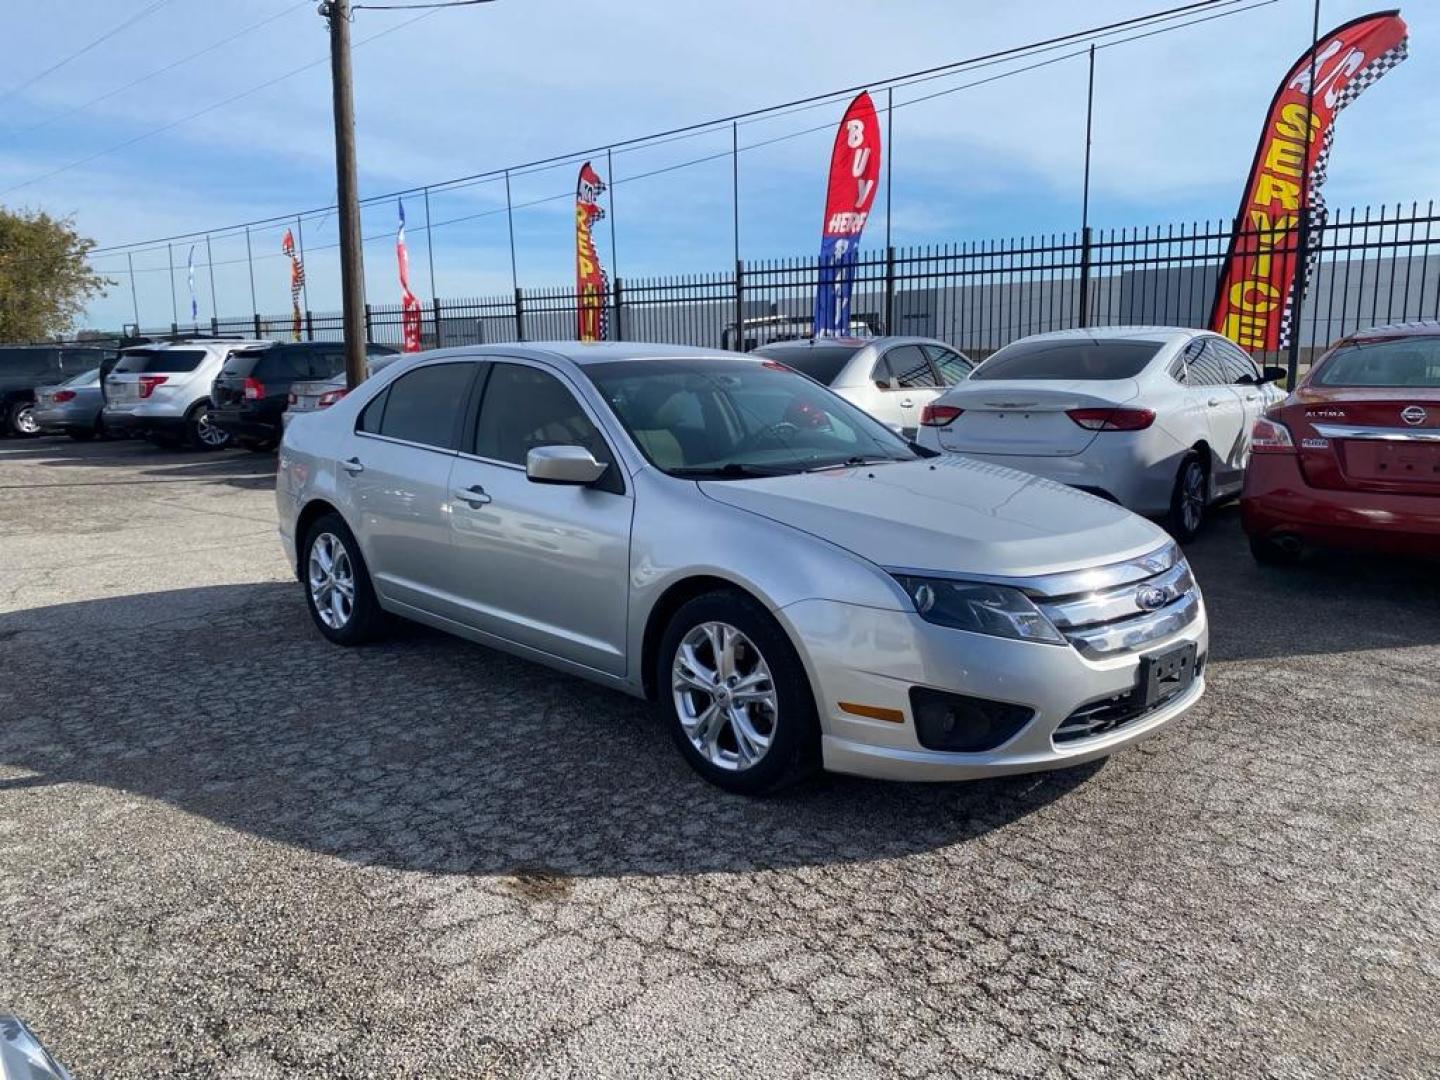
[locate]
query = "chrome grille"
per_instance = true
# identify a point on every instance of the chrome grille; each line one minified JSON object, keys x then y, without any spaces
{"x":1127,"y":606}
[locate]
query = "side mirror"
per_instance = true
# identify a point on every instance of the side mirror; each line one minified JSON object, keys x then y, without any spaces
{"x":1275,"y":374}
{"x":563,"y":465}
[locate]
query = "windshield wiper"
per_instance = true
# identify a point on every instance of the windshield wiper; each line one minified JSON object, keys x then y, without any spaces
{"x":731,"y":470}
{"x":853,"y":463}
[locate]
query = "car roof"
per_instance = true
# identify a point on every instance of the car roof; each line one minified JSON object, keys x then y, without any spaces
{"x":583,"y":353}
{"x":884,"y":341}
{"x":200,"y":343}
{"x":1420,"y":328}
{"x":1120,"y":333}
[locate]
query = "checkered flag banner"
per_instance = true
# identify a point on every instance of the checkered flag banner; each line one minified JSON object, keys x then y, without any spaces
{"x":297,"y":281}
{"x":1255,"y":295}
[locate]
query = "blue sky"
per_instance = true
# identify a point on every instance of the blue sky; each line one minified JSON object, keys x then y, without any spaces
{"x":472,"y":89}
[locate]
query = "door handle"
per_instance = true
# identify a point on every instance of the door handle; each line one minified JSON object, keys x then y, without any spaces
{"x":474,"y":496}
{"x":1252,"y":397}
{"x":906,"y":403}
{"x":1214,"y":401}
{"x":352,"y":466}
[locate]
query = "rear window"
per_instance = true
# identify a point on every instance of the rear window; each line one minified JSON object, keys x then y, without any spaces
{"x":1099,"y":360}
{"x":1408,"y":362}
{"x":823,"y":363}
{"x":148,"y":361}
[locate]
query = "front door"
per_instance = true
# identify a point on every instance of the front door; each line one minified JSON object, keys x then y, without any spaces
{"x":908,"y":383}
{"x":396,"y":466}
{"x":542,"y":565}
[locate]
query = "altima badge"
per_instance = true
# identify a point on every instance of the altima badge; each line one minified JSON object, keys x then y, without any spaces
{"x":1413,"y":415}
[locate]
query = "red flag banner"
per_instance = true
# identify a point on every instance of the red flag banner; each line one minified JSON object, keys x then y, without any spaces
{"x":409,"y":306}
{"x":854,"y":176}
{"x":590,"y":283}
{"x":297,"y":281}
{"x":1255,"y":293}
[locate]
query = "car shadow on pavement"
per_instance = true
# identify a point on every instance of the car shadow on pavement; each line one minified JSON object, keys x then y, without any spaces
{"x":1333,"y":602}
{"x":423,"y":753}
{"x":146,"y":463}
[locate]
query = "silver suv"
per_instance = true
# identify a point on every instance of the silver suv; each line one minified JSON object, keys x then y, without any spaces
{"x":162,"y":392}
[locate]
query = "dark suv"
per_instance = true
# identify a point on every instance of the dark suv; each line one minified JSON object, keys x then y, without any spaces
{"x":251,"y":391}
{"x":24,"y":367}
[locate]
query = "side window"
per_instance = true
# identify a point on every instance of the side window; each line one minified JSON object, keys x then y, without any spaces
{"x":282,"y":363}
{"x":374,"y":413}
{"x":1238,"y":364}
{"x":909,"y":367}
{"x":525,"y":408}
{"x":1206,"y":367}
{"x":1179,"y":372}
{"x":952,"y":366}
{"x":325,"y":363}
{"x":79,"y":361}
{"x":424,"y":406}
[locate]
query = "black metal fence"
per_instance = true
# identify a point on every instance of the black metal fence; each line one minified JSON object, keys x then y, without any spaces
{"x":1369,"y":266}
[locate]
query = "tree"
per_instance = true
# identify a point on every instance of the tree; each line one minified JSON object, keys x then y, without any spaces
{"x":45,"y":280}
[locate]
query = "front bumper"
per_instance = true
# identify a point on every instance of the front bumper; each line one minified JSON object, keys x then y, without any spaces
{"x":1277,"y":500}
{"x":873,"y":657}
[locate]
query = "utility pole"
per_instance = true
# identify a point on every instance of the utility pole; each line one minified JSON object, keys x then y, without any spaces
{"x":352,"y":263}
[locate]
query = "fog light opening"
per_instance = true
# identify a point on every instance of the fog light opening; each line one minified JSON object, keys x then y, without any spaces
{"x":964,"y":724}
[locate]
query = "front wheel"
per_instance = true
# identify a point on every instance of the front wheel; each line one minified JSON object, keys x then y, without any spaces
{"x":22,"y":420}
{"x":736,"y":695}
{"x":1188,"y":500}
{"x":201,"y":432}
{"x":337,"y":584}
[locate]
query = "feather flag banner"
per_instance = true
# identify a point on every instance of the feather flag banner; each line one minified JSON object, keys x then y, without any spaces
{"x":590,"y":282}
{"x":410,"y":307}
{"x":854,"y":176}
{"x":297,"y":280}
{"x":190,"y":273}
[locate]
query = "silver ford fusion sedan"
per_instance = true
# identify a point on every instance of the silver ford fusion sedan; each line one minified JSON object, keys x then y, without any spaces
{"x":795,"y":584}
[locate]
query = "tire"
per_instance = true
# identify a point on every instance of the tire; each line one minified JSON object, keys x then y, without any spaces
{"x":200,"y":434}
{"x":1187,"y":502}
{"x":1273,"y":551}
{"x":365,"y":620}
{"x":21,"y":420}
{"x":782,"y":715}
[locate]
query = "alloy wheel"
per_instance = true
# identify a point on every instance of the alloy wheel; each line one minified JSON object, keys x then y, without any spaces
{"x":724,"y":696}
{"x":209,"y":434}
{"x":1192,"y":496}
{"x":25,"y":421}
{"x":332,"y":581}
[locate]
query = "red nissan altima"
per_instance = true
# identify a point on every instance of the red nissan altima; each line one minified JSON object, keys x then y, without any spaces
{"x":1352,"y":457}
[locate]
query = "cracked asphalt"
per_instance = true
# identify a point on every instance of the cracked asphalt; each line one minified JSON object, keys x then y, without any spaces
{"x":228,"y":849}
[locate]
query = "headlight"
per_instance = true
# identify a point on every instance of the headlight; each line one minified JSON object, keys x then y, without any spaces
{"x":981,"y":609}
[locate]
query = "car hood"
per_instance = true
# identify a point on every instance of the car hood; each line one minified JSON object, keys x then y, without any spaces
{"x":949,"y":514}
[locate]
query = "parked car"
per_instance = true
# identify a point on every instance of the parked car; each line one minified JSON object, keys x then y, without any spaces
{"x":1351,"y":459}
{"x":251,"y":391}
{"x":311,"y":396}
{"x":1156,"y":419}
{"x":72,"y":408}
{"x":25,"y":367}
{"x":891,"y":378}
{"x":766,"y":329}
{"x":162,"y":392}
{"x":718,"y":532}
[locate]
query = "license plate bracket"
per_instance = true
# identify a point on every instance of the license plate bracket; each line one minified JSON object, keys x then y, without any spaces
{"x":1167,"y":674}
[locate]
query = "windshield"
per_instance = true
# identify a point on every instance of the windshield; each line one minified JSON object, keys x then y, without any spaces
{"x":1069,"y":359}
{"x":729,"y":419}
{"x":1412,"y":362}
{"x":140,"y":361}
{"x":823,"y":363}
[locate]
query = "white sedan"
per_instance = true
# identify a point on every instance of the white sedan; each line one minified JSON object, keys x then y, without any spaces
{"x":1157,"y":419}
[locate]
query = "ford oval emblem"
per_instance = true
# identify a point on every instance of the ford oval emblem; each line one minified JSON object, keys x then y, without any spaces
{"x":1149,"y":598}
{"x":1413,"y":415}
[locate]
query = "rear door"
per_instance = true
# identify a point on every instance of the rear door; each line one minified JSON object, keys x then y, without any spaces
{"x":1210,"y":384}
{"x":396,"y":467}
{"x":907,"y":383}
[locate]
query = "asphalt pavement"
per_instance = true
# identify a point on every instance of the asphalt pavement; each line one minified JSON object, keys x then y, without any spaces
{"x":229,"y":849}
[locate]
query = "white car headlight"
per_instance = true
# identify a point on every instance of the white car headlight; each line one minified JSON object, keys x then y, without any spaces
{"x":982,"y":609}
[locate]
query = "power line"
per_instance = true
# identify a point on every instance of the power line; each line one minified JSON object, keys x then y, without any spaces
{"x":131,"y":21}
{"x":415,"y":7}
{"x":936,"y":71}
{"x":162,"y":70}
{"x":207,"y":109}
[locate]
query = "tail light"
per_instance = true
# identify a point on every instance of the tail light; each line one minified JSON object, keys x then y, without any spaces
{"x":62,"y":396}
{"x":1112,"y":419}
{"x":149,"y":382}
{"x":254,"y":389}
{"x":1270,"y":437}
{"x":292,"y":398}
{"x":938,"y":415}
{"x":330,"y":397}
